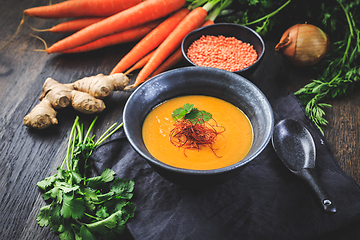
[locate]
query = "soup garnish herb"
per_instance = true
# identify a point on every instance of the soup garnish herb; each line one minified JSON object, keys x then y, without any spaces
{"x":189,"y":112}
{"x":194,"y":128}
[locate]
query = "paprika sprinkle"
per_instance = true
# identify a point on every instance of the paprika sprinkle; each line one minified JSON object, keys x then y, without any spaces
{"x":227,"y":53}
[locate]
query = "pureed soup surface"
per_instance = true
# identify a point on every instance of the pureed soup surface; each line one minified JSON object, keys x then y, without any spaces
{"x":230,"y":147}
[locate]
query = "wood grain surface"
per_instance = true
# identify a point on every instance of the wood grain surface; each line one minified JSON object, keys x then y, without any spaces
{"x":27,"y":155}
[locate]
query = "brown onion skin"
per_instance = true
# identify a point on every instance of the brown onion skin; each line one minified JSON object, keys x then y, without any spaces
{"x":303,"y":44}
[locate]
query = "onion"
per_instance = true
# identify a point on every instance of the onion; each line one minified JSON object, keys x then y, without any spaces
{"x":303,"y":44}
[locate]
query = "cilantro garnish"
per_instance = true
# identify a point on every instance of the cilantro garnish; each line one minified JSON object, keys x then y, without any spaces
{"x":82,"y":207}
{"x":192,"y":129}
{"x":180,"y":113}
{"x":190,"y":113}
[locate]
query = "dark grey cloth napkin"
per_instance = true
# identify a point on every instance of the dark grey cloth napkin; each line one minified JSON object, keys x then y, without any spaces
{"x":265,"y":201}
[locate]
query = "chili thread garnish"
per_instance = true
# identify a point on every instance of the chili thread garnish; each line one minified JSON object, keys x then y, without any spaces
{"x":193,"y":129}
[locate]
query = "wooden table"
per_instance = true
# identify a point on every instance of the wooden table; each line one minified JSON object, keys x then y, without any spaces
{"x":27,"y":155}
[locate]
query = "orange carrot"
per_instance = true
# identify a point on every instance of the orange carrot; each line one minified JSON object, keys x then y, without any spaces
{"x":130,"y":35}
{"x":72,"y":25}
{"x":150,"y":41}
{"x":140,"y":63}
{"x":81,"y":8}
{"x":191,"y":22}
{"x":207,"y":22}
{"x":175,"y":58}
{"x":141,"y":13}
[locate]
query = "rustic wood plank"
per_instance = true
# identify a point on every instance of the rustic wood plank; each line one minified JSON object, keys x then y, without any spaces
{"x":345,"y":118}
{"x":28,"y":156}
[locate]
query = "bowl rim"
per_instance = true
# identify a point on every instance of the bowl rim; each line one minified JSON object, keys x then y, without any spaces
{"x":225,"y":24}
{"x":153,"y":160}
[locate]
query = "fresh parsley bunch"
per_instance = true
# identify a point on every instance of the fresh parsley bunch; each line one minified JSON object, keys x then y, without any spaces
{"x":258,"y":14}
{"x":83,"y":207}
{"x":339,"y":71}
{"x":342,"y":71}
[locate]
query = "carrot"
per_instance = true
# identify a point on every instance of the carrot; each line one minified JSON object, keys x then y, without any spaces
{"x":130,"y":35}
{"x":81,"y":8}
{"x":141,"y":13}
{"x":140,"y":63}
{"x":71,"y":26}
{"x":191,"y":22}
{"x":176,"y":57}
{"x":207,"y":22}
{"x":150,"y":41}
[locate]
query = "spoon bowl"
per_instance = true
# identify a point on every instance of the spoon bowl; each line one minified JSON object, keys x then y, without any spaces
{"x":295,"y":146}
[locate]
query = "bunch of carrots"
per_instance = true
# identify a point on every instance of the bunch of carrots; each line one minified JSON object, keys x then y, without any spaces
{"x":158,"y":25}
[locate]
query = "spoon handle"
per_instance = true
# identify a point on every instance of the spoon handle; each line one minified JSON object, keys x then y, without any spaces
{"x":310,"y":176}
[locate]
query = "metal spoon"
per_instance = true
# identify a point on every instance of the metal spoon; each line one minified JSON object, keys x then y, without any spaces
{"x":295,"y":147}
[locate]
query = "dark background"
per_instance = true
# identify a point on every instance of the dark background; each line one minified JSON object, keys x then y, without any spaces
{"x":28,"y":156}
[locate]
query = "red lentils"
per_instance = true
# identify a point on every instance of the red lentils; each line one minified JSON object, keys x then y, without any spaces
{"x":226,"y":53}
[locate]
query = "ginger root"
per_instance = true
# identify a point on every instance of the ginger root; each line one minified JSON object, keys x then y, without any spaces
{"x":42,"y":116}
{"x":84,"y":95}
{"x":101,"y":86}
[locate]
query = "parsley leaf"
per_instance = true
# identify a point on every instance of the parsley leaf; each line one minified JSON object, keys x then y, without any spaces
{"x":46,"y":182}
{"x":43,"y":218}
{"x":123,"y":188}
{"x":190,"y":113}
{"x":99,"y":181}
{"x":180,"y":113}
{"x":86,"y":234}
{"x":102,"y":212}
{"x":72,"y":207}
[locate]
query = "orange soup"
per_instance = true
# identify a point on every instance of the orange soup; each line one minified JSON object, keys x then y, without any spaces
{"x":231,"y":146}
